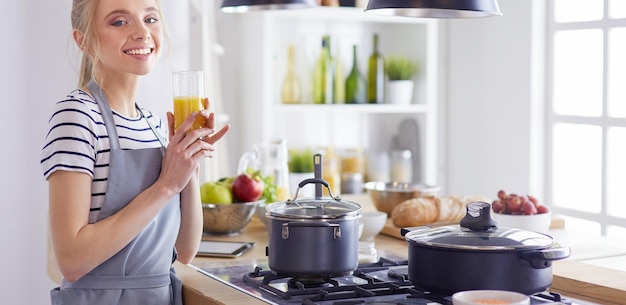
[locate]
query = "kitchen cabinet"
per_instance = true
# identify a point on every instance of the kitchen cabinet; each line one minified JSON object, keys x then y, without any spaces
{"x":255,"y":62}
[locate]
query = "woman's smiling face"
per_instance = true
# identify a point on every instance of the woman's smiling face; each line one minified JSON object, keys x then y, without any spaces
{"x":130,"y":34}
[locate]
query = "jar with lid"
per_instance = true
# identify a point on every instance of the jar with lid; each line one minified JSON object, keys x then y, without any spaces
{"x":401,"y":166}
{"x":352,"y":170}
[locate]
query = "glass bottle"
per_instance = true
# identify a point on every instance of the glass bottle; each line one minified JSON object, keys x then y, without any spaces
{"x":330,"y":172}
{"x":323,"y":75}
{"x":376,"y":76}
{"x":339,"y":81}
{"x":291,"y":92}
{"x":355,"y":83}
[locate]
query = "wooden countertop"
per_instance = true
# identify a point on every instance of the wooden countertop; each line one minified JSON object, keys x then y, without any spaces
{"x":584,"y":276}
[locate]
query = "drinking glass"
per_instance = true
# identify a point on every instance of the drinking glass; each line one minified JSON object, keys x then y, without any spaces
{"x":188,"y":89}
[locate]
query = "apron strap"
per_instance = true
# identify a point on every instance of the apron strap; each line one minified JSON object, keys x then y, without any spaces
{"x":156,"y":133}
{"x":107,"y":114}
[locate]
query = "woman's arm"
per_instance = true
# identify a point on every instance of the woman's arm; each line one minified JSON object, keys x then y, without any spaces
{"x":80,"y":246}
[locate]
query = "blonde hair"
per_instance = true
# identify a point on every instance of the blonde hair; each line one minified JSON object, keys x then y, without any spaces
{"x":83,"y":20}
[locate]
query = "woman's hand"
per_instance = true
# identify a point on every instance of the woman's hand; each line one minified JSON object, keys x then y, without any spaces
{"x":187,"y":148}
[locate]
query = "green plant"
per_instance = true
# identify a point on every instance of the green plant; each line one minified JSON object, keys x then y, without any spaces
{"x":400,"y":67}
{"x":300,"y":161}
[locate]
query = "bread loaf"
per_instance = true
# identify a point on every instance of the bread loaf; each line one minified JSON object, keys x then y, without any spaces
{"x":427,"y":210}
{"x":415,"y":212}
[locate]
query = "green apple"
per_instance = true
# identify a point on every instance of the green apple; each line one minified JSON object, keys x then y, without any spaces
{"x":227,"y":181}
{"x":217,"y":193}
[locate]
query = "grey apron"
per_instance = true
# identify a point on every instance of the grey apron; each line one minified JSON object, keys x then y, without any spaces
{"x":140,"y":273}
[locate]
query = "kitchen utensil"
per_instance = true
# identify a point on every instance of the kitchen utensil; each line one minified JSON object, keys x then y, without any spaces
{"x":227,"y":218}
{"x":387,"y":195}
{"x":477,"y":254}
{"x":313,"y":238}
{"x":482,"y":297}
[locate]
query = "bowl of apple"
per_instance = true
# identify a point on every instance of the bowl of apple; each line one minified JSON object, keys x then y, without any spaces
{"x":229,"y":204}
{"x":522,"y":212}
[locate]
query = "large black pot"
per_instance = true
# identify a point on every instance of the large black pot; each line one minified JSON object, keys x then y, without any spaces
{"x":479,"y":255}
{"x":313,"y":238}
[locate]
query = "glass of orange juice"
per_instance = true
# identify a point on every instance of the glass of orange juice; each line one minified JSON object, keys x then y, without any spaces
{"x":188,"y":92}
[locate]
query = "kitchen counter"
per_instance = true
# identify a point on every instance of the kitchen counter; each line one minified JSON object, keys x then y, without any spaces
{"x":591,"y":274}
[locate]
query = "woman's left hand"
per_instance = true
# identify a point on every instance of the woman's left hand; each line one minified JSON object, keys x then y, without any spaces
{"x":209,"y":122}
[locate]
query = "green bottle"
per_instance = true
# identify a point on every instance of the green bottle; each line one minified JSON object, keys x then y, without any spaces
{"x":355,"y":83}
{"x":339,"y":80}
{"x":323,"y":75}
{"x":376,"y":76}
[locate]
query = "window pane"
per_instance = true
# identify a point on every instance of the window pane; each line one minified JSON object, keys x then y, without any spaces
{"x":615,"y":232}
{"x":617,"y":8}
{"x":617,"y":73}
{"x":577,"y":77}
{"x":577,"y":167}
{"x":616,"y":171}
{"x":578,"y":10}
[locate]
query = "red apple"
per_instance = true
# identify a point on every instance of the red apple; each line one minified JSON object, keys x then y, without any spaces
{"x":247,"y":188}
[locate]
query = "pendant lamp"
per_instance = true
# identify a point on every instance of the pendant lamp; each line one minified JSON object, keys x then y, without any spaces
{"x":434,"y":8}
{"x":242,"y":6}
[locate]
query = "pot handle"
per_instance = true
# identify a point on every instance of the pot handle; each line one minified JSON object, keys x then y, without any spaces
{"x":320,"y":224}
{"x":540,"y":259}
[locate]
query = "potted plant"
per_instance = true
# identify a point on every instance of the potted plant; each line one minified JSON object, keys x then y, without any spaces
{"x":300,"y":168}
{"x":400,"y":71}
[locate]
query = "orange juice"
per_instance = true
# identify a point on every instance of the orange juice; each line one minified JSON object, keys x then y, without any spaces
{"x":184,"y":106}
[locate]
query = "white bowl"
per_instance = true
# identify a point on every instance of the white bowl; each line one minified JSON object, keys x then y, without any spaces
{"x":373,"y":222}
{"x":537,"y":222}
{"x":482,"y":297}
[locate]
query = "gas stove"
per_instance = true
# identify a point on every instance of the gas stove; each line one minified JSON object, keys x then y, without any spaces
{"x":382,"y":282}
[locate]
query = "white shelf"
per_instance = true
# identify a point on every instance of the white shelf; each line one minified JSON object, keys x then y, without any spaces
{"x":350,"y":108}
{"x":258,"y":62}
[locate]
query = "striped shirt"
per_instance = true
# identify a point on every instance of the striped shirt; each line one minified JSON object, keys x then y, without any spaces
{"x":77,"y":141}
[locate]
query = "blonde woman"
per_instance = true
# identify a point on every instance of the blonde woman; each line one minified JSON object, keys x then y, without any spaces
{"x":123,"y":189}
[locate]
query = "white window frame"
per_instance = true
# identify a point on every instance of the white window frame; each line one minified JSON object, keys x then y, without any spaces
{"x":604,"y":121}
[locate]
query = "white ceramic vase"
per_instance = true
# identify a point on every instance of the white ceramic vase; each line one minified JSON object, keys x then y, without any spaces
{"x":400,"y":92}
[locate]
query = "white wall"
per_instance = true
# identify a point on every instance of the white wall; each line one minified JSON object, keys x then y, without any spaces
{"x":489,"y":102}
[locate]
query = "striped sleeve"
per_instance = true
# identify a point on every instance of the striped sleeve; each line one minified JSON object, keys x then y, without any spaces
{"x":70,"y":143}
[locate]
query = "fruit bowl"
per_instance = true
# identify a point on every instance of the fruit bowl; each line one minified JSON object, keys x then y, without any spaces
{"x":536,"y":222}
{"x":227,"y":218}
{"x":387,"y":195}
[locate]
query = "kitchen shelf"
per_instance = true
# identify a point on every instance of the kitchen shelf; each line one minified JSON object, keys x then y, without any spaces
{"x":356,"y":108}
{"x":256,"y":60}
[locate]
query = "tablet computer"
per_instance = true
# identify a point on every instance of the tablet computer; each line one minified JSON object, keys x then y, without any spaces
{"x":223,"y":248}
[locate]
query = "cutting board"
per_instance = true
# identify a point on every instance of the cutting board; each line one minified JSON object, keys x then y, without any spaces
{"x":391,"y":230}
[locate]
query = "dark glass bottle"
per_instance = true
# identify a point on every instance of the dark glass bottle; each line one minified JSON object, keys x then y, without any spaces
{"x":376,"y":76}
{"x":355,"y":83}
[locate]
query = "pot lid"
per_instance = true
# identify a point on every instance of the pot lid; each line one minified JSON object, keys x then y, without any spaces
{"x":314,"y":208}
{"x":478,"y":232}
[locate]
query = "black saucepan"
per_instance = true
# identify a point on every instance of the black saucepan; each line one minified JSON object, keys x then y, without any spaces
{"x":478,"y":255}
{"x":313,"y":237}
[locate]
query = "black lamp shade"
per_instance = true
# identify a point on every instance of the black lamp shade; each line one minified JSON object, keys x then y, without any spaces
{"x":434,"y":8}
{"x":242,"y":6}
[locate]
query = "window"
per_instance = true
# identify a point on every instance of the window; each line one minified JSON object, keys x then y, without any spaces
{"x":586,"y":113}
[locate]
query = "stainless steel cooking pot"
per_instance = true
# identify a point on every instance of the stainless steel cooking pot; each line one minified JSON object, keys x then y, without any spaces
{"x":313,"y":237}
{"x":477,"y":254}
